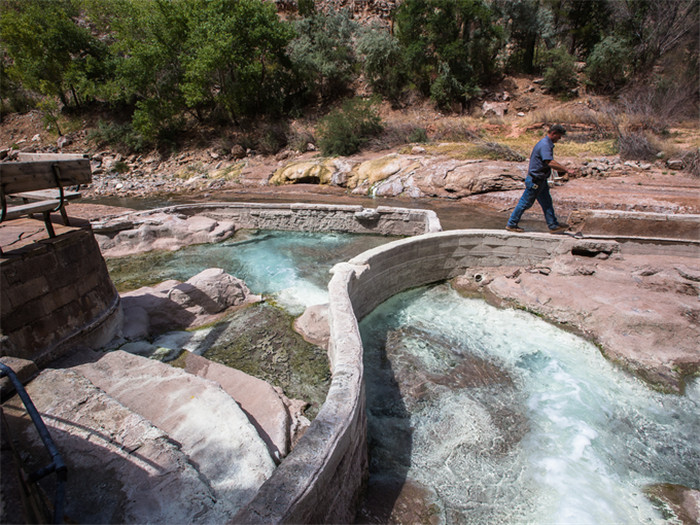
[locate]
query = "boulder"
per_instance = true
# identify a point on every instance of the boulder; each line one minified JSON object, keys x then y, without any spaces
{"x":158,"y":231}
{"x":313,"y":325}
{"x":173,"y":305}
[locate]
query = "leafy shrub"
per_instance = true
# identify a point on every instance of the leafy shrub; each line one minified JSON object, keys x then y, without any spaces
{"x":418,"y":135}
{"x":560,"y":74}
{"x":344,"y":131}
{"x":607,"y":64}
{"x":119,"y":136}
{"x":446,"y":89}
{"x":383,"y":62}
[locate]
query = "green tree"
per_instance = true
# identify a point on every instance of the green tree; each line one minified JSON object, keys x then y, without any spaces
{"x":235,"y":57}
{"x":148,"y":40}
{"x":382,"y":62}
{"x":608,"y":64}
{"x":589,"y":21}
{"x":524,"y":25}
{"x":48,"y":51}
{"x":560,"y":73}
{"x":452,"y":42}
{"x":323,"y":53}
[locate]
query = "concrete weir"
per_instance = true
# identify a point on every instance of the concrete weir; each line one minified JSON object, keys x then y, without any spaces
{"x":321,"y":480}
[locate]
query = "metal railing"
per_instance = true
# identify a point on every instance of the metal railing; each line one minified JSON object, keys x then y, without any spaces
{"x":57,"y":464}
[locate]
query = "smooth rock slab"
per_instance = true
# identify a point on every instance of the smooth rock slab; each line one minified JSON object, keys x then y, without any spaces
{"x":121,"y":468}
{"x":210,"y":426}
{"x":267,"y":409}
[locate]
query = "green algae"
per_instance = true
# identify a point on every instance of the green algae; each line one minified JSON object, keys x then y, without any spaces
{"x":260,"y":341}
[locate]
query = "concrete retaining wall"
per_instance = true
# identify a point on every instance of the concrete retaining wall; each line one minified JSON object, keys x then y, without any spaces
{"x":382,"y":220}
{"x":616,"y":223}
{"x":322,"y":478}
{"x":54,"y":294}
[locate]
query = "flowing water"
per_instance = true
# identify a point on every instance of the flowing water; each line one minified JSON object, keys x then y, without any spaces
{"x":291,"y":267}
{"x":495,"y":416}
{"x":475,"y":414}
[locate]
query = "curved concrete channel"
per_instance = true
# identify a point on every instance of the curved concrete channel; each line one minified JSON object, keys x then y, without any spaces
{"x":321,"y":480}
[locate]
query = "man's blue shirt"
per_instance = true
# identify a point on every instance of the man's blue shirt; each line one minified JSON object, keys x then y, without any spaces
{"x":543,"y":151}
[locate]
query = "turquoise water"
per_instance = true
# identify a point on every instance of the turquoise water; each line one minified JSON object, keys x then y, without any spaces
{"x":497,"y":415}
{"x":510,"y":420}
{"x":291,"y":267}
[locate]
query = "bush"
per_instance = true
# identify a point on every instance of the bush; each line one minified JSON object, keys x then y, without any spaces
{"x":634,"y":145}
{"x":418,"y":135}
{"x":344,"y":131}
{"x":446,"y":89}
{"x":383,"y":62}
{"x":560,"y":74}
{"x":607,"y":65}
{"x":119,"y":136}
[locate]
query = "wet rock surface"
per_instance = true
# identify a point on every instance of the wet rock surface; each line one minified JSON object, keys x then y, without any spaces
{"x":642,"y":310}
{"x":259,"y":341}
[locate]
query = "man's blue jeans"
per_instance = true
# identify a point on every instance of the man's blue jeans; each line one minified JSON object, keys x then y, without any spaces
{"x":535,"y":191}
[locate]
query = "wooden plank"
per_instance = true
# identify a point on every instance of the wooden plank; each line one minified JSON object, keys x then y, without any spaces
{"x":17,"y":177}
{"x":15,"y":212}
{"x":34,"y":157}
{"x":43,"y":195}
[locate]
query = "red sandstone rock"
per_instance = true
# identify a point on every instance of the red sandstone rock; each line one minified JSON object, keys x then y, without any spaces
{"x":172,"y":305}
{"x":641,"y":310}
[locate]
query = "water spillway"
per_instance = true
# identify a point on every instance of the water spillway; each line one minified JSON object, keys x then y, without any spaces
{"x":495,"y":416}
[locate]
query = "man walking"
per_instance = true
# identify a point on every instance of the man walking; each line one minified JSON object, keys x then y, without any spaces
{"x":536,"y":188}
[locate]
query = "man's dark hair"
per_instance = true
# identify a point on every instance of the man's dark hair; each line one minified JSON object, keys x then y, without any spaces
{"x":557,"y":128}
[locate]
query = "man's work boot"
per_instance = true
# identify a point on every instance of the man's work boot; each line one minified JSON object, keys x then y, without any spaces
{"x":515,"y":229}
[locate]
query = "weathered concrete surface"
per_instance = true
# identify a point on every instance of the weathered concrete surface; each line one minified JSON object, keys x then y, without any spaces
{"x":172,"y":305}
{"x":55,"y":293}
{"x":211,"y":428}
{"x":636,"y":224}
{"x":122,"y":234}
{"x":322,"y":478}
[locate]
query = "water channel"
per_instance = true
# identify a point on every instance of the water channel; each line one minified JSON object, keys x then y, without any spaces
{"x":475,"y":414}
{"x":481,"y":415}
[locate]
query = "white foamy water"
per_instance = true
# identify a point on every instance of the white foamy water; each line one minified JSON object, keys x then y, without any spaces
{"x":559,"y":435}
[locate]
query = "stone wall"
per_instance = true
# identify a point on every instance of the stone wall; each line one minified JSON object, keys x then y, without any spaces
{"x":383,"y":220}
{"x":54,"y":294}
{"x":323,"y":477}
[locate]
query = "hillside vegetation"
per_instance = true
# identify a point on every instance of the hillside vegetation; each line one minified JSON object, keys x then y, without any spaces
{"x":251,"y":75}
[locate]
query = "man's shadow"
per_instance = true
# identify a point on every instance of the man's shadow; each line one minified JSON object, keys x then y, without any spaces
{"x":389,"y":433}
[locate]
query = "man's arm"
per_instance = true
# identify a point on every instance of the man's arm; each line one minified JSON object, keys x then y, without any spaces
{"x":558,"y":167}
